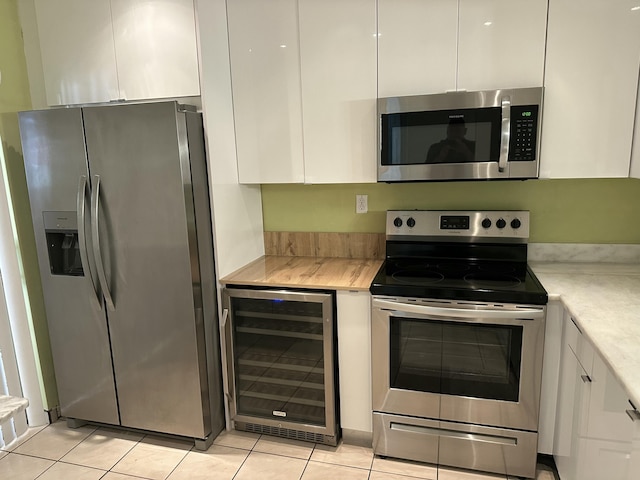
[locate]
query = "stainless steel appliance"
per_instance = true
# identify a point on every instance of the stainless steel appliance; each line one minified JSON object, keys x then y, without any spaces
{"x":281,"y":352}
{"x":458,"y":330}
{"x":460,"y":135}
{"x":121,"y":214}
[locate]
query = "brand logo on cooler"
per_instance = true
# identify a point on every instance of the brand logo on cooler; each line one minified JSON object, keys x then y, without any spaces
{"x":278,"y":413}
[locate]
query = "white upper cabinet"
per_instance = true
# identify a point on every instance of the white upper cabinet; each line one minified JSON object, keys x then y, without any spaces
{"x":267,"y":98}
{"x":501,"y":44}
{"x":417,"y":46}
{"x":78,"y":55}
{"x":434,"y":46}
{"x":338,"y":65}
{"x":591,"y":80}
{"x":105,"y":50}
{"x":156,"y":51}
{"x":303,"y":75}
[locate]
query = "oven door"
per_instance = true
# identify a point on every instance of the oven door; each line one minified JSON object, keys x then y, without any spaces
{"x":458,"y":361}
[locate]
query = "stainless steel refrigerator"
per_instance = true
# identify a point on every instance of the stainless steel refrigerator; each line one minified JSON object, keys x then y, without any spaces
{"x":120,"y":206}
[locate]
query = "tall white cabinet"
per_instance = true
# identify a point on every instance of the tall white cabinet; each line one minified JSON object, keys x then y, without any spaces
{"x":338,"y":65}
{"x":304,"y":90}
{"x":264,"y":50}
{"x":593,"y":55}
{"x":433,"y":46}
{"x":109,"y":50}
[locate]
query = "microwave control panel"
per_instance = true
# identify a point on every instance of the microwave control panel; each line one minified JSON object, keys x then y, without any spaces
{"x":524,"y":133}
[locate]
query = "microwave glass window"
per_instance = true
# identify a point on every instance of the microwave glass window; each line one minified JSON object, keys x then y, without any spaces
{"x":472,"y":360}
{"x":461,"y":136}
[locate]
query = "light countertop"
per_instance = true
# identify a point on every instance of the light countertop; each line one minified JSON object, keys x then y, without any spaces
{"x":604,"y":300}
{"x":307,"y":272}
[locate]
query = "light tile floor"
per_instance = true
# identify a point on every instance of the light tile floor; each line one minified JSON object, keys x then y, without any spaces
{"x":90,"y":453}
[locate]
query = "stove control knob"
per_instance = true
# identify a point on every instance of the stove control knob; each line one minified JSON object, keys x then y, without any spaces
{"x":516,"y":223}
{"x":486,"y":223}
{"x":411,"y":222}
{"x":501,"y":223}
{"x":397,"y":222}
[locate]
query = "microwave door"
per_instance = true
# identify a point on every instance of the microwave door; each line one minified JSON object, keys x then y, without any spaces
{"x":442,"y":145}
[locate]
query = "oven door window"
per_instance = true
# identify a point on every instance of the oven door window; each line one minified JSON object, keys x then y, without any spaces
{"x":445,"y":136}
{"x":474,"y":360}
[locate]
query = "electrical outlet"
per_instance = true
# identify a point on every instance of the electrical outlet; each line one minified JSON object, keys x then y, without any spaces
{"x":362,"y":203}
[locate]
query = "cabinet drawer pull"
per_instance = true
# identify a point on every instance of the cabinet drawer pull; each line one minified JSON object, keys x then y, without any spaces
{"x":585,"y":378}
{"x":633,"y":415}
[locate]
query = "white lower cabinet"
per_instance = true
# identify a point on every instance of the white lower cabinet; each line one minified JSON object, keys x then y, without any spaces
{"x":573,"y":408}
{"x":354,"y":361}
{"x":608,"y":443}
{"x":597,"y":431}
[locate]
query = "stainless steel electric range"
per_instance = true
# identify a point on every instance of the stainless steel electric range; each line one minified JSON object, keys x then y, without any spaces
{"x":458,"y":330}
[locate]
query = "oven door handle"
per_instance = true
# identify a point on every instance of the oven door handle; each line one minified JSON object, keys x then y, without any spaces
{"x":515,"y":313}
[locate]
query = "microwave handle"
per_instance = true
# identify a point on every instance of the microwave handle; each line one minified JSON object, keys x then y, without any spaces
{"x":505,"y":134}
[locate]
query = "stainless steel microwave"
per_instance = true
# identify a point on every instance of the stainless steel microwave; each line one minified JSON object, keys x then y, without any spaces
{"x":491,"y":134}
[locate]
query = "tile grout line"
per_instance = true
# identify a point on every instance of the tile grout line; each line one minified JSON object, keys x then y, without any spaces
{"x":182,"y":460}
{"x":245,"y":458}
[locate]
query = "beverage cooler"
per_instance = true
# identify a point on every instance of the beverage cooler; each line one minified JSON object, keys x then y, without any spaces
{"x":281,"y":363}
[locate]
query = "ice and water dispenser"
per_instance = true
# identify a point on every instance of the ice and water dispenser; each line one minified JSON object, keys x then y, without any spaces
{"x":61,"y":229}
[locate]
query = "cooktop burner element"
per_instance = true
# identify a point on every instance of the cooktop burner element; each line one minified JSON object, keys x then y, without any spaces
{"x":417,"y":277}
{"x":491,"y":280}
{"x":459,"y":256}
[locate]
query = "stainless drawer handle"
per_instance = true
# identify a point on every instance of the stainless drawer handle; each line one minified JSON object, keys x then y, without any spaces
{"x":441,"y":432}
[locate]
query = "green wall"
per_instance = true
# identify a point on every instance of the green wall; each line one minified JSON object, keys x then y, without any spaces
{"x":562,"y":211}
{"x":14,"y":97}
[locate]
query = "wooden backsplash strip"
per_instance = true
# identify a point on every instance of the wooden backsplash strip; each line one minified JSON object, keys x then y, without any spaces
{"x":325,"y":244}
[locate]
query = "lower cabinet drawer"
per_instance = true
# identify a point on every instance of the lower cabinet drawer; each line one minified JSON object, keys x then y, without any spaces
{"x":504,"y":451}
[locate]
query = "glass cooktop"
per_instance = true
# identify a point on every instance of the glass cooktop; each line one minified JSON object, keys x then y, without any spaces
{"x":459,"y":280}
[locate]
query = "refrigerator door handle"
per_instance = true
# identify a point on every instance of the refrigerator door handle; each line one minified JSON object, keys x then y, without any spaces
{"x":95,"y":236}
{"x":82,"y":239}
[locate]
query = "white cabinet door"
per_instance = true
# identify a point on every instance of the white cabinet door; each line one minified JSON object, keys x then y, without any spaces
{"x":634,"y":461}
{"x":338,"y":69}
{"x":417,"y":46}
{"x":591,"y":80}
{"x":156,"y":52}
{"x":102,"y":50}
{"x":608,"y":445}
{"x":572,"y":410}
{"x":265,"y":75}
{"x":78,"y":56}
{"x":354,"y":360}
{"x":550,"y":374}
{"x":501,"y":43}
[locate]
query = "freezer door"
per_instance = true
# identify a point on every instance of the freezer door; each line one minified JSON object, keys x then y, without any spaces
{"x":148,"y":250}
{"x":55,"y":159}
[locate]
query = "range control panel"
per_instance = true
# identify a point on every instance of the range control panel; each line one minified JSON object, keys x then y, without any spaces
{"x":508,"y":225}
